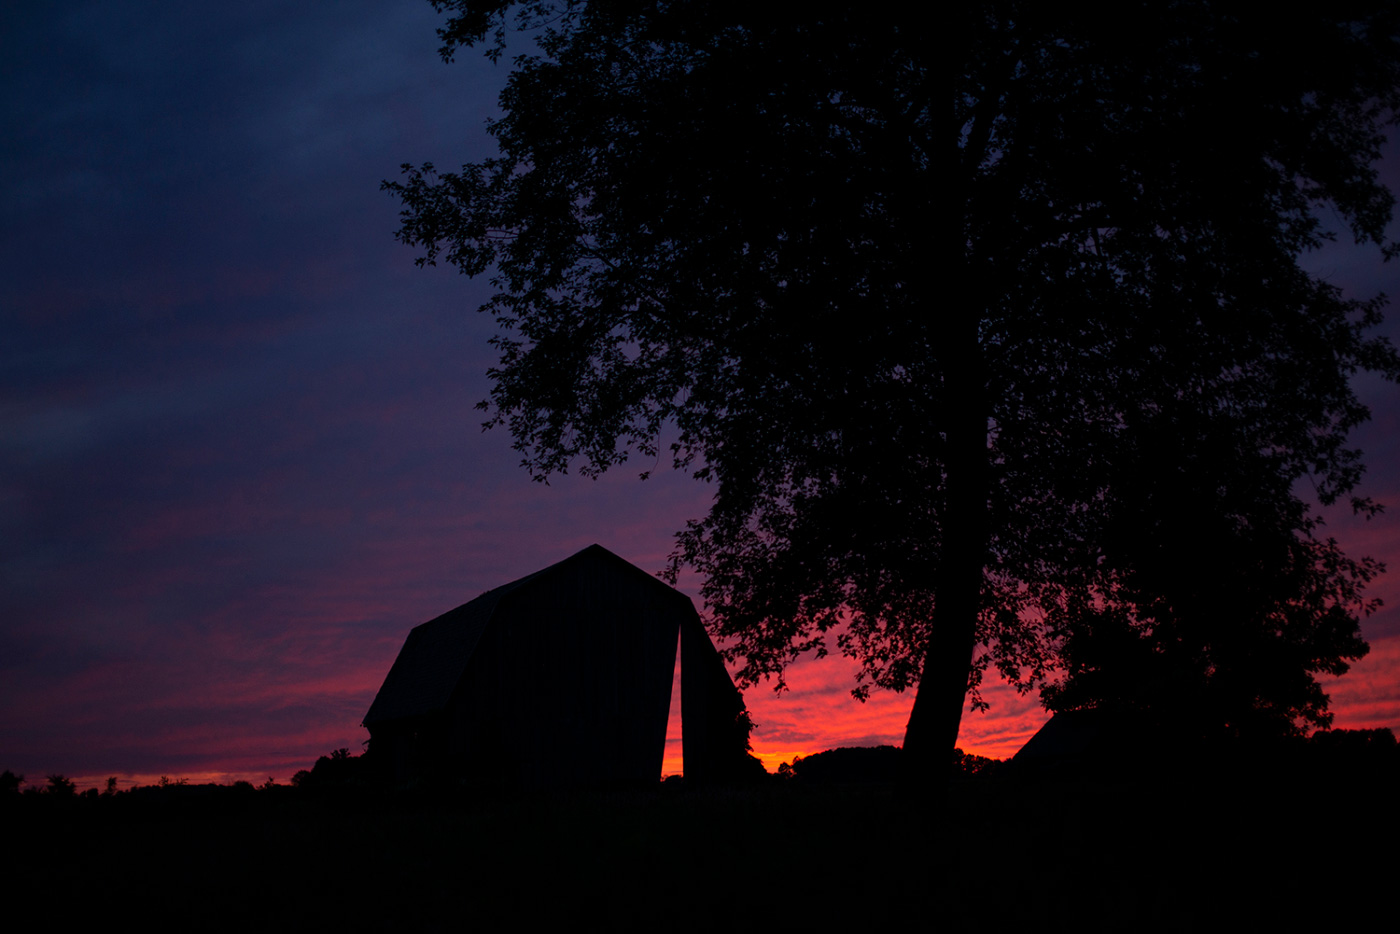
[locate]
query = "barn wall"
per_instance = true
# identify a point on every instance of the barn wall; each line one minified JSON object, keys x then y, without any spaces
{"x":715,"y":734}
{"x":414,"y":750}
{"x":572,"y":682}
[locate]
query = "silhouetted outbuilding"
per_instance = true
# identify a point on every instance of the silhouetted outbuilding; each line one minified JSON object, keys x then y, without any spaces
{"x":1098,"y":739}
{"x":1074,"y":736}
{"x":563,"y":676}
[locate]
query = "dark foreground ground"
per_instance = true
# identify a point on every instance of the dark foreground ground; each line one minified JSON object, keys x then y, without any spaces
{"x":1131,"y":853}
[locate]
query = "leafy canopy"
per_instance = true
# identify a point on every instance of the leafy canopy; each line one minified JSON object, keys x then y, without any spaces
{"x":733,"y":234}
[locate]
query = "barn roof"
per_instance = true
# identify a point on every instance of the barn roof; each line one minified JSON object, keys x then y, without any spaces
{"x":434,"y":658}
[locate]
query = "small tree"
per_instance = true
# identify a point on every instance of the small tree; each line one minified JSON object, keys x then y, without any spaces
{"x":61,"y":787}
{"x":1222,"y":602}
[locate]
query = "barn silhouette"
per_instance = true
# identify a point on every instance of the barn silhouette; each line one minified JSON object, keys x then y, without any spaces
{"x":561,"y":677}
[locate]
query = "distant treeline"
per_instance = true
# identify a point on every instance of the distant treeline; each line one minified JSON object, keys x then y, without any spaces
{"x":337,"y":770}
{"x":872,"y":764}
{"x":1371,"y":750}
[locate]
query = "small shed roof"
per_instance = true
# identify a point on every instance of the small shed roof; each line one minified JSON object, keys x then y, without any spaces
{"x":1081,"y":736}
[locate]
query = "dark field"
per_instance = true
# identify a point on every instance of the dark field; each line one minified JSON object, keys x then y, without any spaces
{"x":1096,"y":854}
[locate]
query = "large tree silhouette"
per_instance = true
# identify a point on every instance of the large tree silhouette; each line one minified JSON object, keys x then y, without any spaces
{"x":923,"y":375}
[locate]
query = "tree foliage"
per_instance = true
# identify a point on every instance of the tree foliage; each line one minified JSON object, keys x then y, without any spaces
{"x":61,"y":787}
{"x":1015,"y":388}
{"x":1221,"y":602}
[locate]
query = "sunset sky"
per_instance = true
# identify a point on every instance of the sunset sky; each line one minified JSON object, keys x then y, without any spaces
{"x":239,"y":455}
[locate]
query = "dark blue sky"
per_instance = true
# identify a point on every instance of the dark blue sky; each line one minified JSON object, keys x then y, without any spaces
{"x":238,"y":451}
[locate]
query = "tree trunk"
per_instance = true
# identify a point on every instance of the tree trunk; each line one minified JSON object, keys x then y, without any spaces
{"x":932,"y":733}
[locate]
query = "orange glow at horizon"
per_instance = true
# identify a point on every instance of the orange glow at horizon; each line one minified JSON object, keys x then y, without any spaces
{"x":817,"y":713}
